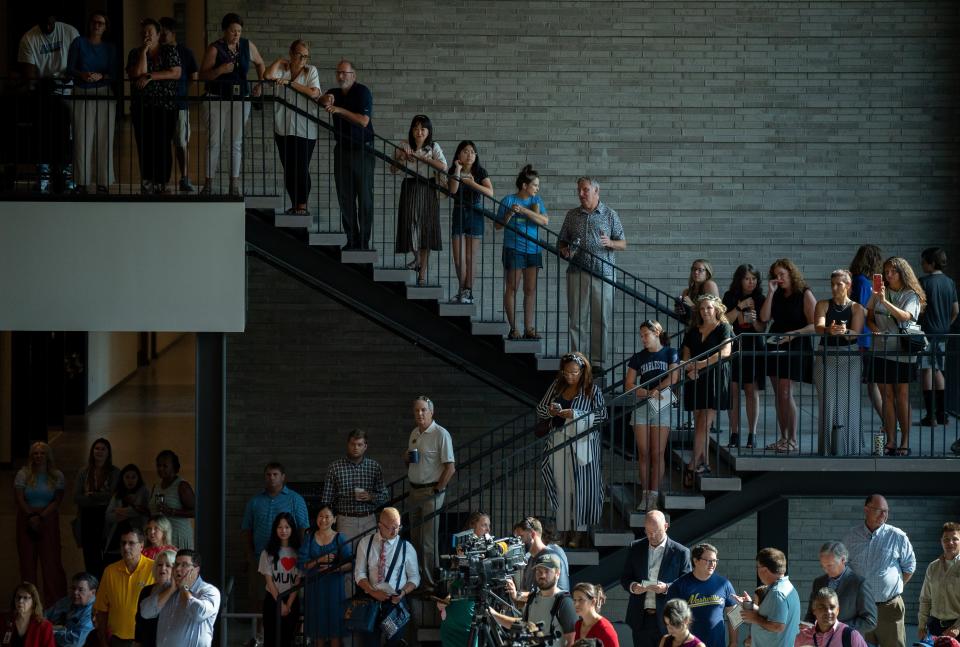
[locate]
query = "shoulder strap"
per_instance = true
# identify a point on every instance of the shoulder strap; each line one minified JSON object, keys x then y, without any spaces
{"x":846,"y":636}
{"x":534,"y":592}
{"x":557,"y":601}
{"x":393,"y":562}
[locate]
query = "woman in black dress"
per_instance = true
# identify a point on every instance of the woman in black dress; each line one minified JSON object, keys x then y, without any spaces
{"x":790,"y":306}
{"x":707,"y":389}
{"x":743,"y":301}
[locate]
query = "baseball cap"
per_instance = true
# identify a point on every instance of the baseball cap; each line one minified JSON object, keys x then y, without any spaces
{"x":549,"y":560}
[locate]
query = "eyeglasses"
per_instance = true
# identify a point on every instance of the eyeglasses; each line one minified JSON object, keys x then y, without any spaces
{"x":710,"y":562}
{"x":301,"y":55}
{"x":698,"y":269}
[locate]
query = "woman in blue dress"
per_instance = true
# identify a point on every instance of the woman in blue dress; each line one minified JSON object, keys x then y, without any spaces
{"x":325,"y":558}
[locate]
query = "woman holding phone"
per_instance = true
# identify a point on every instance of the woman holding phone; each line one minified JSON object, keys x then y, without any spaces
{"x":865,"y":267}
{"x":836,"y":372}
{"x":743,"y":301}
{"x":896,"y":302}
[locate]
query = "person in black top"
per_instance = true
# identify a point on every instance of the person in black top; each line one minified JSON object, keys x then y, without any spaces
{"x":743,"y":301}
{"x":188,"y":73}
{"x":351,"y":105}
{"x":789,"y":305}
{"x":940,"y":313}
{"x":836,"y":372}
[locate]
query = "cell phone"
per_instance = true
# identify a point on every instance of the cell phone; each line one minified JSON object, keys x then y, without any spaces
{"x":748,"y":605}
{"x":877,"y":282}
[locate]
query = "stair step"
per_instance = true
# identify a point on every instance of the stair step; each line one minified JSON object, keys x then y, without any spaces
{"x":359,"y":256}
{"x":283,"y":220}
{"x":458,"y":309}
{"x":548,"y":363}
{"x":582,"y":557}
{"x":683,"y":501}
{"x":328,"y":239}
{"x":424,"y":293}
{"x":612,"y":538}
{"x":271,"y":202}
{"x":393,"y":275}
{"x":720,"y":483}
{"x":531,"y":346}
{"x":498,"y":328}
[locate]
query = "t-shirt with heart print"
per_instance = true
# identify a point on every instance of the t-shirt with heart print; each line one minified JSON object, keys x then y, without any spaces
{"x":283,"y":570}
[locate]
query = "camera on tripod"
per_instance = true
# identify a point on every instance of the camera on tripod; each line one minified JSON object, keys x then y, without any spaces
{"x":479,"y":563}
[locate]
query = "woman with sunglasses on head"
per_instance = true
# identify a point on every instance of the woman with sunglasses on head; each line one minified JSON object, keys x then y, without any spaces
{"x":891,"y":309}
{"x":418,"y":217}
{"x":571,"y":470}
{"x":699,"y":282}
{"x":707,"y":389}
{"x":650,"y":375}
{"x":295,"y":135}
{"x":743,"y":301}
{"x":522,"y":213}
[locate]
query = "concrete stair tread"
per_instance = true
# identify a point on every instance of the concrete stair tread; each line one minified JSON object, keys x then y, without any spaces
{"x":359,"y":256}
{"x":394,"y":275}
{"x":582,"y":556}
{"x":298,"y":222}
{"x":612,"y":537}
{"x":683,"y":501}
{"x":458,"y":309}
{"x":272,"y":202}
{"x":424,"y":292}
{"x":328,"y":239}
{"x":530,"y":346}
{"x":494,"y":328}
{"x":711,"y":483}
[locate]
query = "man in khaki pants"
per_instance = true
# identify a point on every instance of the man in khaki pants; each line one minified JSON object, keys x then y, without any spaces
{"x":883,"y":556}
{"x":430,"y":466}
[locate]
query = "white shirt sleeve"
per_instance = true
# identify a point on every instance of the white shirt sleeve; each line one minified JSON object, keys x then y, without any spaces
{"x":410,"y":570}
{"x":360,"y":559}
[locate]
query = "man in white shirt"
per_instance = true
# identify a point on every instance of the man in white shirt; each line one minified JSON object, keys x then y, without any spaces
{"x":385,"y":568}
{"x":430,"y":464}
{"x":43,"y":48}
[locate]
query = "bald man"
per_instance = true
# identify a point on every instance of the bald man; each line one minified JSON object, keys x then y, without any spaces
{"x":652,"y":566}
{"x":385,"y":567}
{"x":883,"y":555}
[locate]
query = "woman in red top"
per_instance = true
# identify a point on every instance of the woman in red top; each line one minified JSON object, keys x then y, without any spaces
{"x":24,"y":624}
{"x":587,"y":600}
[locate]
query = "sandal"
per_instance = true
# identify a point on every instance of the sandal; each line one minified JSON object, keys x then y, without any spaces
{"x":514,"y":334}
{"x":889,"y":450}
{"x":703,"y":468}
{"x":734,"y":440}
{"x":787,"y":447}
{"x":902,"y":451}
{"x":413,"y":265}
{"x":778,"y":445}
{"x":531,"y":333}
{"x":749,"y":444}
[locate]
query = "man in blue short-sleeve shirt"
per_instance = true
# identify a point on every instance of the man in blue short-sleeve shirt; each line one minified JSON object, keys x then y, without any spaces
{"x":777,"y":622}
{"x":351,"y":105}
{"x":708,"y":595}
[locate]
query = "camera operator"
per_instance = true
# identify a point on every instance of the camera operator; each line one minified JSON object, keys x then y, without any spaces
{"x":456,"y":615}
{"x":530,"y":531}
{"x":547,"y":605}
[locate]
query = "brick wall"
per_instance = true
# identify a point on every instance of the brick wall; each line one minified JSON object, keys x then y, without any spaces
{"x":736,"y":131}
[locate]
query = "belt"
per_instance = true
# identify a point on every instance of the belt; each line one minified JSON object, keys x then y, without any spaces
{"x":420,"y":486}
{"x":650,"y":612}
{"x":354,"y":514}
{"x":891,"y":600}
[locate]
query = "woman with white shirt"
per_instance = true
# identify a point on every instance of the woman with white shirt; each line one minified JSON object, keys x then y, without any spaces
{"x":418,"y":217}
{"x":896,"y":305}
{"x":298,"y":84}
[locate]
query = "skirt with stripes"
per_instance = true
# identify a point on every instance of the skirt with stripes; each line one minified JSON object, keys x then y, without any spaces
{"x":418,"y":218}
{"x":563,"y":472}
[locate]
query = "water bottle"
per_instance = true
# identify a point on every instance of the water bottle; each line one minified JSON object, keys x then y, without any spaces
{"x":574,"y":248}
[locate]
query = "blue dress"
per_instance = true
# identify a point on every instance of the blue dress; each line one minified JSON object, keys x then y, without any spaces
{"x":323,"y":614}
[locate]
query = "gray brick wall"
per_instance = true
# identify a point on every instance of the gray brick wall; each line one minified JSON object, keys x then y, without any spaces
{"x":735,"y":131}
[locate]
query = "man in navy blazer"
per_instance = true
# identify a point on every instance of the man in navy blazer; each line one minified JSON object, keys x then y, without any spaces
{"x":858,"y":609}
{"x":656,"y":558}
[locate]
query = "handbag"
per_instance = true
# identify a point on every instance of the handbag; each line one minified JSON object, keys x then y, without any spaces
{"x":912,"y":339}
{"x":394,"y":622}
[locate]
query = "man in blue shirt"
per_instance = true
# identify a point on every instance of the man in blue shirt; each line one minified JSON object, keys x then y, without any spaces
{"x":351,"y":105}
{"x":258,"y":518}
{"x":777,"y":622}
{"x":72,"y":616}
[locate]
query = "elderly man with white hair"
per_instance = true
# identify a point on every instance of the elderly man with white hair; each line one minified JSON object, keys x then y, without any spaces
{"x":858,"y":609}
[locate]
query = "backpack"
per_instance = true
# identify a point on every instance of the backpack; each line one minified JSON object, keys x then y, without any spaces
{"x":554,"y":608}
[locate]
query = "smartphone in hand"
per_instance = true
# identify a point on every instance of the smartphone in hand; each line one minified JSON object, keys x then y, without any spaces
{"x":877,"y":282}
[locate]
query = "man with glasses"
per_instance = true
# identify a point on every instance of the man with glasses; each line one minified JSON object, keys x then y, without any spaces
{"x":590,"y":235}
{"x":430,"y":466}
{"x":708,"y":595}
{"x":776,"y":622}
{"x":116,"y":603}
{"x":72,"y":616}
{"x":652,"y":566}
{"x":883,"y":555}
{"x":187,"y":609}
{"x":351,"y":105}
{"x":385,"y":568}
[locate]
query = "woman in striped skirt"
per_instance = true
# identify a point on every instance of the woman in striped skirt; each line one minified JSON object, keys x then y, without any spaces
{"x":572,"y":473}
{"x":418,"y":218}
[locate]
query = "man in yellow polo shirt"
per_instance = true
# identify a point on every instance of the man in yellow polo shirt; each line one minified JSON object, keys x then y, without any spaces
{"x":116,"y":604}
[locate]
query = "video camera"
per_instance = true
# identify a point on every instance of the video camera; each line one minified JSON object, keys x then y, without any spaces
{"x":479,"y":564}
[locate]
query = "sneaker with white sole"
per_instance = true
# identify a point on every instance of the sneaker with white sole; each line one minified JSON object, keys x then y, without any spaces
{"x":456,"y":297}
{"x":186,"y":186}
{"x":466,"y":296}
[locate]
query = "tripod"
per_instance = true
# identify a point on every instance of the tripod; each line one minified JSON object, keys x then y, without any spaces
{"x":483,"y":628}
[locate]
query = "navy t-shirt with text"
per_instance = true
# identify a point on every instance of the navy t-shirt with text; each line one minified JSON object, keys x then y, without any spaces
{"x":649,"y":365}
{"x":707,"y":600}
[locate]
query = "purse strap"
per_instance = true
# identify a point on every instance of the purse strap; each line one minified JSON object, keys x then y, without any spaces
{"x":393,"y":562}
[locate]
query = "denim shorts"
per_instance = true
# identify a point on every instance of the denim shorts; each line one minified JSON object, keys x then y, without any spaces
{"x":648,"y":415}
{"x":935,"y":356}
{"x":515,"y":260}
{"x":466,"y":222}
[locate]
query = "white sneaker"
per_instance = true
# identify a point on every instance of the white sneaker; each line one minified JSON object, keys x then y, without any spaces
{"x":466,"y":296}
{"x":642,"y":505}
{"x":456,"y":297}
{"x":652,"y":499}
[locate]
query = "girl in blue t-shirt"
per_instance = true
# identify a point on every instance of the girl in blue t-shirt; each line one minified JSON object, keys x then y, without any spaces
{"x":652,"y":372}
{"x":521,"y":214}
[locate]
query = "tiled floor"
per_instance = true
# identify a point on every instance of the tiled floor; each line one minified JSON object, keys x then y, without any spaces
{"x":151,"y":411}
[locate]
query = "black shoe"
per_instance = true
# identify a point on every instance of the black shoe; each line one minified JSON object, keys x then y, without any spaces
{"x":942,"y":419}
{"x":927,"y":421}
{"x":734,"y":440}
{"x":749,"y":444}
